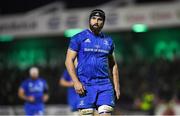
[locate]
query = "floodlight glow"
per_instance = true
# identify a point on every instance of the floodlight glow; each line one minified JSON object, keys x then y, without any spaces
{"x":71,"y":32}
{"x":139,"y":28}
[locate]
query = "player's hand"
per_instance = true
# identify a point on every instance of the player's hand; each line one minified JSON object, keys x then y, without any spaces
{"x":117,"y":91}
{"x":30,"y":99}
{"x":79,"y":87}
{"x":45,"y":98}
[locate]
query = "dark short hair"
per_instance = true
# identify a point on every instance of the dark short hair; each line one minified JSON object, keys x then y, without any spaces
{"x":98,"y":12}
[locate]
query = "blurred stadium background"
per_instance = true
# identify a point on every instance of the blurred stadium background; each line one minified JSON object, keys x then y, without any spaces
{"x":146,"y":35}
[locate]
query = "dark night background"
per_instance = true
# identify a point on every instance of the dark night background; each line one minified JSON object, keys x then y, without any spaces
{"x":20,"y":6}
{"x":148,"y":61}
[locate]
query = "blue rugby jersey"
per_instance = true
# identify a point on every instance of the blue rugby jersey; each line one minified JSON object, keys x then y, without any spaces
{"x":92,"y":54}
{"x":35,"y":88}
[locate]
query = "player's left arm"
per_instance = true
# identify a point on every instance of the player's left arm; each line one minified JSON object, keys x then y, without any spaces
{"x":46,"y":95}
{"x":115,"y":74}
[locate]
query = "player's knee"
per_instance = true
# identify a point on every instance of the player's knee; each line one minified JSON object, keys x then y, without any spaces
{"x":105,"y":109}
{"x":86,"y":112}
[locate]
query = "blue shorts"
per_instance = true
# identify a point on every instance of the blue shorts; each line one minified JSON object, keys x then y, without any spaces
{"x":34,"y":109}
{"x":72,"y":99}
{"x":96,"y":95}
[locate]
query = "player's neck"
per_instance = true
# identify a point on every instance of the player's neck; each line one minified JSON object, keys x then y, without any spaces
{"x":34,"y":78}
{"x":97,"y":33}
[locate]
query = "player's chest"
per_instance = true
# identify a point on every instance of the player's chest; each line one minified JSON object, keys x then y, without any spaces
{"x":35,"y":86}
{"x":95,"y":45}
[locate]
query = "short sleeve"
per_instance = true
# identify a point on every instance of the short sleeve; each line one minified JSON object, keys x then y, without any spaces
{"x":23,"y":85}
{"x":112,"y":48}
{"x":74,"y":43}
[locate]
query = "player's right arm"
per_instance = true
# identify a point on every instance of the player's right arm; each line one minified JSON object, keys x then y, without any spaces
{"x":70,"y":57}
{"x":65,"y":83}
{"x":22,"y":95}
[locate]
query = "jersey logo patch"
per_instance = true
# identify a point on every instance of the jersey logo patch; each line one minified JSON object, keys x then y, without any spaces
{"x":87,"y":40}
{"x":106,"y":42}
{"x":81,"y":103}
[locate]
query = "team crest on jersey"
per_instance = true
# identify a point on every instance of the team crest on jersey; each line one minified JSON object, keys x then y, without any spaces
{"x":87,"y":40}
{"x":106,"y":42}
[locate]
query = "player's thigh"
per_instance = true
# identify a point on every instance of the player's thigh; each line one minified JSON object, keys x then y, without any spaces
{"x":106,"y":97}
{"x":88,"y":99}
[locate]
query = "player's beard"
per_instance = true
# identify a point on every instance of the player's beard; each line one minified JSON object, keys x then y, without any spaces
{"x":95,"y":28}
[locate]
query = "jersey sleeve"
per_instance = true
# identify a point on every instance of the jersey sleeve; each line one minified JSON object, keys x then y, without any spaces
{"x":112,"y":47}
{"x":24,"y":86}
{"x":75,"y":43}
